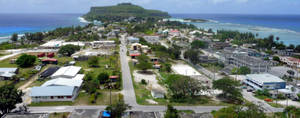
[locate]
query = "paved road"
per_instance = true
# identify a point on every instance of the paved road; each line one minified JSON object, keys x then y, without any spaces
{"x":268,"y":108}
{"x":128,"y":90}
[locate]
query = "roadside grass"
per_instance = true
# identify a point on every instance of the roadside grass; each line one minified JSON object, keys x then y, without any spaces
{"x":59,"y":115}
{"x":57,"y":103}
{"x":275,"y":105}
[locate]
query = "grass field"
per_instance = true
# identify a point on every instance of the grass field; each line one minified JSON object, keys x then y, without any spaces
{"x":59,"y":115}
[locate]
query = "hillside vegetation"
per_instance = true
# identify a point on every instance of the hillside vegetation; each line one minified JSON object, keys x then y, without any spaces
{"x":121,"y":12}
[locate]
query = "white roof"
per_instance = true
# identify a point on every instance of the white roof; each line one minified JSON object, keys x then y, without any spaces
{"x":53,"y":43}
{"x":67,"y":71}
{"x":58,"y":43}
{"x":264,"y":78}
{"x":81,"y":44}
{"x":76,"y":81}
{"x":8,"y":72}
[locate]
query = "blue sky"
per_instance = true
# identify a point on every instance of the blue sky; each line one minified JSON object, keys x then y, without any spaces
{"x":171,"y":6}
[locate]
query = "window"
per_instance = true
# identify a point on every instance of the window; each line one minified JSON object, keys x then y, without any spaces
{"x":52,"y":97}
{"x":69,"y":97}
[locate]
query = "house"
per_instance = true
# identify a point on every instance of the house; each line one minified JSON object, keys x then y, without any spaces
{"x":41,"y":55}
{"x":264,"y":81}
{"x":152,"y":39}
{"x":8,"y":73}
{"x":53,"y":93}
{"x":140,"y":47}
{"x":49,"y":61}
{"x":103,"y":44}
{"x":174,"y":32}
{"x":55,"y":44}
{"x":50,"y":55}
{"x":133,"y":39}
{"x":219,"y":45}
{"x":291,"y":61}
{"x":48,"y":72}
{"x":66,"y":72}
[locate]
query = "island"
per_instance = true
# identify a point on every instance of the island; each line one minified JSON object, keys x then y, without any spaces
{"x":122,"y":11}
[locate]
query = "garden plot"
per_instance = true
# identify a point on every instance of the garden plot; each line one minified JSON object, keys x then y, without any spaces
{"x":184,"y":69}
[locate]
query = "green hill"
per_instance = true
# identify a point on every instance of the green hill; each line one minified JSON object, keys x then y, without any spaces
{"x":121,"y":12}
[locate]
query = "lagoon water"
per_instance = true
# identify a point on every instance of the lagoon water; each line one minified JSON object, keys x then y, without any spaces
{"x":287,"y":27}
{"x":21,"y":23}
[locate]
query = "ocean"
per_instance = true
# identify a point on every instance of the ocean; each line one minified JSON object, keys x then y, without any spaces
{"x":22,"y":23}
{"x":286,"y":27}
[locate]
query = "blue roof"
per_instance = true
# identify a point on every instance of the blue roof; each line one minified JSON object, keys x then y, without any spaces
{"x":52,"y":91}
{"x":106,"y":114}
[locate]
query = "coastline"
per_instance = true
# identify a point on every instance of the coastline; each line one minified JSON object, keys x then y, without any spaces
{"x":4,"y":38}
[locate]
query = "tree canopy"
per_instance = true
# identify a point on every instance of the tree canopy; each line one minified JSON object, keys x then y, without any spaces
{"x":9,"y":97}
{"x":196,"y":44}
{"x":68,"y":50}
{"x":14,"y":37}
{"x":143,"y":62}
{"x":171,"y":112}
{"x":230,"y":89}
{"x":26,"y":60}
{"x":117,"y":109}
{"x":248,"y":110}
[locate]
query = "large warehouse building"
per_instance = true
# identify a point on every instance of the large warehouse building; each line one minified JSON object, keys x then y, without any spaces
{"x":264,"y":81}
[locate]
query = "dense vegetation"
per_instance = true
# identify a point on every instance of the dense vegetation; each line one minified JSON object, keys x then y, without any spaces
{"x":68,"y":50}
{"x":9,"y":97}
{"x":122,"y":11}
{"x":26,"y":60}
{"x":230,"y":89}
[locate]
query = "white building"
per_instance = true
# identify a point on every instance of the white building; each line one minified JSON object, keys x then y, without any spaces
{"x":152,"y":39}
{"x":76,"y":81}
{"x":53,"y":93}
{"x":104,"y":43}
{"x":7,"y":73}
{"x":55,"y":44}
{"x":66,"y":72}
{"x":264,"y":81}
{"x":64,"y":87}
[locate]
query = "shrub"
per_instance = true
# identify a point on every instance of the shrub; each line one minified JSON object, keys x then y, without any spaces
{"x":143,"y":82}
{"x":26,"y":60}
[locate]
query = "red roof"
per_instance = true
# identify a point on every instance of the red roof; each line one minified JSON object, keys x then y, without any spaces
{"x":174,"y":31}
{"x":113,"y":77}
{"x":51,"y":59}
{"x":135,"y":54}
{"x":293,"y":59}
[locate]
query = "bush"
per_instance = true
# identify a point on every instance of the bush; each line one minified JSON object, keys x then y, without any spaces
{"x":143,"y":81}
{"x":92,"y":98}
{"x":26,"y":60}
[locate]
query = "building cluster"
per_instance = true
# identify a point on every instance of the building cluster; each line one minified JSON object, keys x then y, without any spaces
{"x":64,"y":85}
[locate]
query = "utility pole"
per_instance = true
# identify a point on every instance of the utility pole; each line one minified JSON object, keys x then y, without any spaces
{"x":110,"y":91}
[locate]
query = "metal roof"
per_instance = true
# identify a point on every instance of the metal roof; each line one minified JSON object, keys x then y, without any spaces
{"x":76,"y":81}
{"x":52,"y":91}
{"x":67,"y":71}
{"x":264,"y":78}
